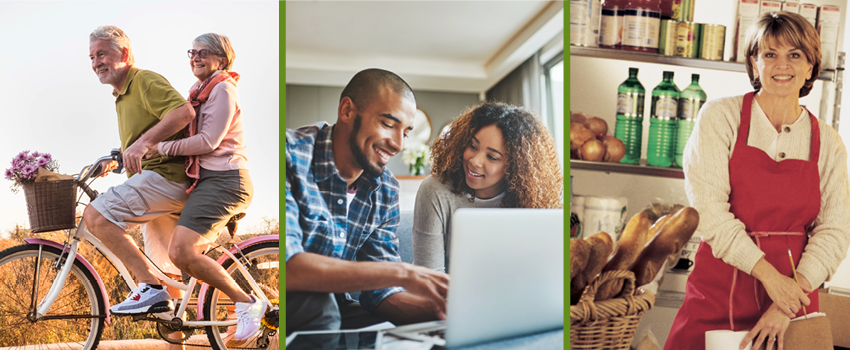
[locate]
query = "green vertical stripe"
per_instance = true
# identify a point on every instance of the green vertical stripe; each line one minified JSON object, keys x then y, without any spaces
{"x":566,"y":174}
{"x":282,"y":85}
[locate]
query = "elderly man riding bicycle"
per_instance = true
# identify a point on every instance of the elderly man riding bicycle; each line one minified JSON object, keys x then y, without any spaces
{"x":151,"y":111}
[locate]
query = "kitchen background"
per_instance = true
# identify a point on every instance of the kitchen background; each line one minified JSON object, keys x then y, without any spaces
{"x":595,"y":75}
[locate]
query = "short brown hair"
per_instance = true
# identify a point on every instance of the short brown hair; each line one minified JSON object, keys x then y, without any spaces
{"x":788,"y":28}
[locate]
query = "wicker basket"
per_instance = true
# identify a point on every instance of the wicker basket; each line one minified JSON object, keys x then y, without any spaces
{"x":51,"y":205}
{"x":608,"y":324}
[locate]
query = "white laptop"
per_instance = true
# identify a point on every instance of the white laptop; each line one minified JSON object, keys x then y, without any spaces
{"x":507,"y":277}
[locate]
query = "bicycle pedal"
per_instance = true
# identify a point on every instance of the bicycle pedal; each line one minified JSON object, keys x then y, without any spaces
{"x":166,"y":316}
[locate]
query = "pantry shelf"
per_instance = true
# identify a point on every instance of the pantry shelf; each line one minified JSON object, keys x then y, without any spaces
{"x":671,"y":60}
{"x":640,"y":169}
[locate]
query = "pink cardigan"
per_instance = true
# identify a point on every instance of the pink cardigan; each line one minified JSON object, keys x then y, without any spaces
{"x":220,"y":142}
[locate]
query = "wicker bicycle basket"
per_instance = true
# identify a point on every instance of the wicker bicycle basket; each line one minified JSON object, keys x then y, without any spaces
{"x":608,"y":324}
{"x":51,"y":205}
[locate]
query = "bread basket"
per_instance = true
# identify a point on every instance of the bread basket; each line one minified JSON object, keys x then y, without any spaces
{"x":608,"y":324}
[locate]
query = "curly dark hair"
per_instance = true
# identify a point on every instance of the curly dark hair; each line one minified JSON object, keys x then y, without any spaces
{"x":533,"y":176}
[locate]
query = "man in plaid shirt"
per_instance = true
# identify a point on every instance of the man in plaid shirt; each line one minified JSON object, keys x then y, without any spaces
{"x":342,"y":212}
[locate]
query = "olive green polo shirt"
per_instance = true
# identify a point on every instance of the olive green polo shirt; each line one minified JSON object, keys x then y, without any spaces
{"x":143,"y":101}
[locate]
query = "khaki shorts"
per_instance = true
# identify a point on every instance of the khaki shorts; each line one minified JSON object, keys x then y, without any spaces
{"x":151,"y":200}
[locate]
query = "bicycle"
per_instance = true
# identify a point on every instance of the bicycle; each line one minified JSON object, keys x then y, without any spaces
{"x":55,"y":293}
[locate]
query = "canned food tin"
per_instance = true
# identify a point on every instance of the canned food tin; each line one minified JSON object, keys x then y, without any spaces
{"x":667,"y":40}
{"x":712,"y":41}
{"x":682,"y":10}
{"x":687,"y":39}
{"x":585,"y":17}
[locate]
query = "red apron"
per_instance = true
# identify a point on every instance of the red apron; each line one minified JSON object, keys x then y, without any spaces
{"x":777,"y":202}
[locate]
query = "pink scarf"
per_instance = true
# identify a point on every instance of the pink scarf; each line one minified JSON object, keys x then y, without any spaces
{"x":196,"y":97}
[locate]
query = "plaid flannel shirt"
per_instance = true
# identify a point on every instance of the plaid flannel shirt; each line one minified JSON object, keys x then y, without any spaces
{"x":317,"y":220}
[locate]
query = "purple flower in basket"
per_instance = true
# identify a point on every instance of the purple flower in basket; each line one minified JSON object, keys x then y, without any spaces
{"x":25,"y":167}
{"x":29,"y":172}
{"x":21,"y":156}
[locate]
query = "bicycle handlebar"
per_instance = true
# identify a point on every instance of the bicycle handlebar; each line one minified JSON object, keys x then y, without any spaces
{"x":96,"y":169}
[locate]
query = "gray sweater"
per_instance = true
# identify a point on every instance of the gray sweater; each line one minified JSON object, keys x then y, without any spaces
{"x":432,"y":221}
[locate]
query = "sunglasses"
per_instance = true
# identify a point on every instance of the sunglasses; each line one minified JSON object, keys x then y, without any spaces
{"x":201,"y":53}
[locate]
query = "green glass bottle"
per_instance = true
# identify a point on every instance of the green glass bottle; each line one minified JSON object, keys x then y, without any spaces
{"x":690,"y":101}
{"x":663,"y":123}
{"x":629,"y":129}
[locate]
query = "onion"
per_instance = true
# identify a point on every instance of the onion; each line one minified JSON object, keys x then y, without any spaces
{"x":615,"y":149}
{"x":592,"y":150}
{"x":598,"y":125}
{"x":578,"y":117}
{"x":579,"y":135}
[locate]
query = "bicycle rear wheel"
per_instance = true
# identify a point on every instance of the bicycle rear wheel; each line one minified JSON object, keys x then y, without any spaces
{"x":26,"y":274}
{"x":264,"y":258}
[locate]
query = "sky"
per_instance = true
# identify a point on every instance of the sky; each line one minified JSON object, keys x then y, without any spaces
{"x":51,"y":100}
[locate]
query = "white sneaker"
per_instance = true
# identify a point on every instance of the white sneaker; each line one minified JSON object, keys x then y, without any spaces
{"x":248,"y":317}
{"x":144,"y":299}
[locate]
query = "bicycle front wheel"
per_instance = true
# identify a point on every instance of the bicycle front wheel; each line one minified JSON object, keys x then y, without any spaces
{"x":26,"y":274}
{"x":264,"y":260}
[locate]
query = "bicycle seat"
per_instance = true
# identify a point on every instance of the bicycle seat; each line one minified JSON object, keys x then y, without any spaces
{"x":232,"y":225}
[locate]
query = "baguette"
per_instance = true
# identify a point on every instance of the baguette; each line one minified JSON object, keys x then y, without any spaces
{"x":631,"y":243}
{"x":579,"y":253}
{"x":601,"y":245}
{"x":653,"y":231}
{"x":673,"y":234}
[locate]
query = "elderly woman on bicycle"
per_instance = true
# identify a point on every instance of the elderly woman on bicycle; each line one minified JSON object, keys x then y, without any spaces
{"x":216,"y":161}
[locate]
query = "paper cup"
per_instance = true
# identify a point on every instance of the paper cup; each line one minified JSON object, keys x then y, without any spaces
{"x":725,"y":340}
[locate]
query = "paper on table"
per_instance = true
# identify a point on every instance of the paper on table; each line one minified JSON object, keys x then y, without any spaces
{"x":809,"y":315}
{"x":725,"y":340}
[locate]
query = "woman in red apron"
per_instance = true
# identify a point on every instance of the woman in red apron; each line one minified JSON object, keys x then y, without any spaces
{"x":773,"y":201}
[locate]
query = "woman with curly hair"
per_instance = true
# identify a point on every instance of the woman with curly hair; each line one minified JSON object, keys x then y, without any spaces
{"x":494,"y":155}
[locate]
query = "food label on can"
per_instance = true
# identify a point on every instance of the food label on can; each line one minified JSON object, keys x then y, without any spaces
{"x":640,"y":28}
{"x":686,"y":39}
{"x":667,"y":39}
{"x":712,"y":40}
{"x":630,"y":104}
{"x":665,"y":107}
{"x":584,"y":22}
{"x":689,"y":108}
{"x":611,"y":27}
{"x":677,"y":10}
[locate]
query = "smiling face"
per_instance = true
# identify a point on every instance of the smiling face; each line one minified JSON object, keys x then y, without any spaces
{"x":485,"y":162}
{"x":782,"y":69}
{"x":108,"y":64}
{"x":203,"y":68}
{"x":379,"y":130}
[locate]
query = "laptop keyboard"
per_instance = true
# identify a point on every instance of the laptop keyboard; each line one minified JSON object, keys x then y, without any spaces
{"x":439,"y":333}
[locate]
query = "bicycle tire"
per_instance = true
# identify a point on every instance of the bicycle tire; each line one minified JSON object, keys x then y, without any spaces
{"x":80,"y":296}
{"x":265,"y":258}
